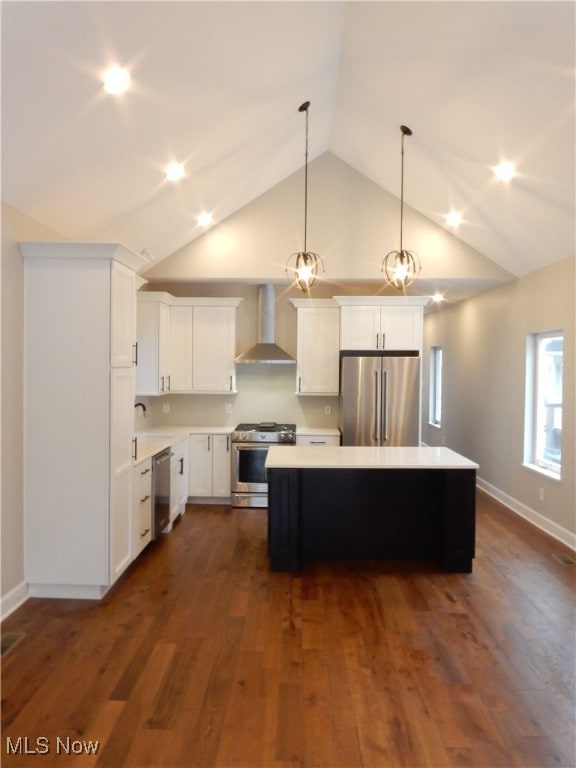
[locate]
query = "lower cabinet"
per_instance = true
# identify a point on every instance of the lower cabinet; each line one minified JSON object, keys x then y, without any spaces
{"x":209,"y":465}
{"x":141,"y":506}
{"x":179,"y":479}
{"x":318,"y":440}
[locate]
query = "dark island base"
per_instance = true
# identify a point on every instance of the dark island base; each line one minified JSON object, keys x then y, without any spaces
{"x":371,"y":514}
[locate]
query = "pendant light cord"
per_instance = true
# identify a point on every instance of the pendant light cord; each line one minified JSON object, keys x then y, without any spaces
{"x":306,"y":184}
{"x":401,"y":190}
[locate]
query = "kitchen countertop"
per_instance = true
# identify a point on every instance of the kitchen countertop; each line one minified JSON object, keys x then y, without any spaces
{"x":156,"y":439}
{"x":365,"y":457}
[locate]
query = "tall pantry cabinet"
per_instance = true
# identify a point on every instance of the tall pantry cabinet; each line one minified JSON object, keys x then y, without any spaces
{"x":79,"y":384}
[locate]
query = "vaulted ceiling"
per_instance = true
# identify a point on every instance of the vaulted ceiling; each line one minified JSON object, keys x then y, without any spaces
{"x":217,"y":86}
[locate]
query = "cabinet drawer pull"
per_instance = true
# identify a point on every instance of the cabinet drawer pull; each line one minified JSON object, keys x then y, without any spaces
{"x":144,"y":472}
{"x":144,"y":499}
{"x":317,"y":442}
{"x":146,"y":532}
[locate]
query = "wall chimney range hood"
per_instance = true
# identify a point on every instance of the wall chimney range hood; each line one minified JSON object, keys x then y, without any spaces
{"x":266,"y":350}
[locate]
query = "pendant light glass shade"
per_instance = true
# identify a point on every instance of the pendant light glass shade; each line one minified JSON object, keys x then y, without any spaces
{"x":304,"y":270}
{"x":401,"y":267}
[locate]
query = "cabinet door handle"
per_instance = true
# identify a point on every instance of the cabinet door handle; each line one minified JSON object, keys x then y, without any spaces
{"x":383,"y":341}
{"x":134,"y":448}
{"x":168,"y":387}
{"x":299,"y":383}
{"x":161,"y":383}
{"x":145,"y":472}
{"x":181,"y":470}
{"x":231,"y":383}
{"x":146,"y":532}
{"x":144,"y":499}
{"x":377,"y":341}
{"x":208,"y":442}
{"x":135,"y":356}
{"x":227,"y":443}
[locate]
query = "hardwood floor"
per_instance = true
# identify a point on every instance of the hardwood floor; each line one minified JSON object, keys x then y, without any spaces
{"x":202,"y":657}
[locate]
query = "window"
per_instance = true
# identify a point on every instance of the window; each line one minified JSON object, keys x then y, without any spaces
{"x":435,"y":402}
{"x":543,"y":418}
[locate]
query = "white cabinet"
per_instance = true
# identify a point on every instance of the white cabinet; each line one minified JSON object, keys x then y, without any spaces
{"x":318,"y":439}
{"x":179,"y":479}
{"x":153,"y":335}
{"x":141,"y":506}
{"x":210,"y":464}
{"x":180,"y":349}
{"x":318,"y":347}
{"x":121,"y":433}
{"x":122,"y":316}
{"x":78,"y":416}
{"x":214,"y":348}
{"x":386,"y":323}
{"x":186,"y":344}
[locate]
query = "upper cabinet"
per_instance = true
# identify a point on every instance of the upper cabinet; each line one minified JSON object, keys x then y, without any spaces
{"x":122,"y":316}
{"x":153,"y":336}
{"x":381,"y":323}
{"x":213,"y":348}
{"x":186,"y":345}
{"x":318,"y":336}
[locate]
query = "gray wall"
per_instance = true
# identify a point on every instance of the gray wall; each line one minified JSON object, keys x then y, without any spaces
{"x":15,"y":227}
{"x":484,"y":358}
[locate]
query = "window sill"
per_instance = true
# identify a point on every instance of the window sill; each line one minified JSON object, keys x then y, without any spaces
{"x":543,"y":471}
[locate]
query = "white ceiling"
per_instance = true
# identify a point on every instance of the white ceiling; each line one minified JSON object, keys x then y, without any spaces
{"x":218,"y":85}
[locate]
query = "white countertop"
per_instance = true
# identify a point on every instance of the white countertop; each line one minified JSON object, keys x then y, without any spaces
{"x":364,"y":457}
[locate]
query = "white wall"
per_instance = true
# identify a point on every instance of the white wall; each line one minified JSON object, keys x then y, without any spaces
{"x":15,"y":227}
{"x":352,"y":224}
{"x":484,"y":359}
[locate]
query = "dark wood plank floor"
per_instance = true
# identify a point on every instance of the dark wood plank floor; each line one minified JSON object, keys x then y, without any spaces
{"x":202,"y":657}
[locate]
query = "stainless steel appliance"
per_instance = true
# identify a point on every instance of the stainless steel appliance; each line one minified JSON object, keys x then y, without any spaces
{"x":250,"y":444}
{"x":161,"y":492}
{"x":380,"y":398}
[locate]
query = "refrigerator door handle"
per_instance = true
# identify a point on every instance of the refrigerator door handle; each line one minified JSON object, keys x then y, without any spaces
{"x":384,"y":407}
{"x":378,"y":408}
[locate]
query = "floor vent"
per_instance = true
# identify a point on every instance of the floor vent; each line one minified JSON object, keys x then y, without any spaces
{"x":564,"y":559}
{"x":9,"y":641}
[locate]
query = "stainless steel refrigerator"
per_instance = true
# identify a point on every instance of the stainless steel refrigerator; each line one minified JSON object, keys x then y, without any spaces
{"x":380,"y":398}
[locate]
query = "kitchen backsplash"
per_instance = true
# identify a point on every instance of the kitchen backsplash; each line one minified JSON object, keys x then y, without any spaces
{"x":265,"y":393}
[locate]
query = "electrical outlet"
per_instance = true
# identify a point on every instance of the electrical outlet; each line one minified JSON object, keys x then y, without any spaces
{"x":165,"y":407}
{"x":327,"y":410}
{"x":228,"y":407}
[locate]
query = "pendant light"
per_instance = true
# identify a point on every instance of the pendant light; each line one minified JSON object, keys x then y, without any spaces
{"x":401,"y":267}
{"x":305,"y":268}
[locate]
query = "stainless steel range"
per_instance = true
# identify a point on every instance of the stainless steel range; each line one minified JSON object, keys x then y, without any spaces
{"x":249,"y":448}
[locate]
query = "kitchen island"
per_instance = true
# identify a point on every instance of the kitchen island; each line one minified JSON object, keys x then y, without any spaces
{"x":365,"y":503}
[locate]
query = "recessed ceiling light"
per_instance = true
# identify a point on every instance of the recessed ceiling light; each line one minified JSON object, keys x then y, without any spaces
{"x":204,"y":219}
{"x":505,"y":171}
{"x":453,"y":219}
{"x":438,"y":297}
{"x":175,"y":171}
{"x":116,"y":80}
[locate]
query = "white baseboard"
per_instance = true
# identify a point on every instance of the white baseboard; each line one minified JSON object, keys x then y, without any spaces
{"x":14,"y":599}
{"x":544,"y":523}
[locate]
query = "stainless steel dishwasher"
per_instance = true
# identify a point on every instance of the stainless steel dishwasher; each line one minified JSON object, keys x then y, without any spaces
{"x":161,"y":492}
